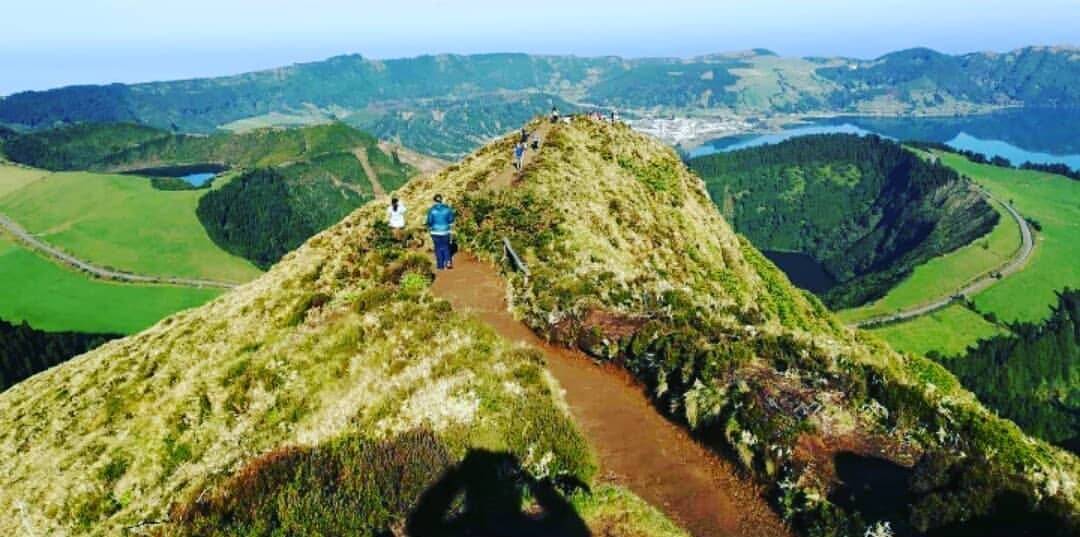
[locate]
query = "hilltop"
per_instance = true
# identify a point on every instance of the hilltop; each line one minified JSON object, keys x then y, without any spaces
{"x":340,"y":357}
{"x":447,"y":105}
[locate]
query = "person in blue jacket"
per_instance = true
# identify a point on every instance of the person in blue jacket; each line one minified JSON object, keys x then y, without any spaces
{"x":440,"y":220}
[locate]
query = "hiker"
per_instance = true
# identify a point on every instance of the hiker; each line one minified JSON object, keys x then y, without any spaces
{"x":440,"y":218}
{"x":554,"y":114}
{"x":535,"y":145}
{"x":395,"y":215}
{"x":524,"y":136}
{"x":519,"y":156}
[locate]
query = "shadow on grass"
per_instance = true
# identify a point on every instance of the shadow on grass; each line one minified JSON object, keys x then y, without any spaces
{"x":485,"y":495}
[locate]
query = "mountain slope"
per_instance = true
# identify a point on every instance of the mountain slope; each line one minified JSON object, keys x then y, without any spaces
{"x":865,"y":208}
{"x":341,"y":345}
{"x":447,"y":105}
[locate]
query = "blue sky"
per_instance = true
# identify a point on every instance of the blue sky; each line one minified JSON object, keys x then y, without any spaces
{"x":48,"y":43}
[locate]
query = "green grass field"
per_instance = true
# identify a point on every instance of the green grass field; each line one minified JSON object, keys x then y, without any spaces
{"x":121,"y":222}
{"x":14,"y":177}
{"x":1051,"y":200}
{"x":1054,"y":202}
{"x":949,"y":331}
{"x":943,"y":275}
{"x":51,"y":297}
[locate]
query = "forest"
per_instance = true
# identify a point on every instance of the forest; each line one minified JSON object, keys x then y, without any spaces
{"x":865,"y":208}
{"x":264,"y":213}
{"x":25,"y":351}
{"x":1033,"y":376}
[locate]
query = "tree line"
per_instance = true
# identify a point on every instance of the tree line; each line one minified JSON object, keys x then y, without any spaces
{"x":1056,"y":168}
{"x":1033,"y":375}
{"x":25,"y":351}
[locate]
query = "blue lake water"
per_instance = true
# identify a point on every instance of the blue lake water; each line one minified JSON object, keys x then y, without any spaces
{"x":198,"y":179}
{"x":1025,"y":135}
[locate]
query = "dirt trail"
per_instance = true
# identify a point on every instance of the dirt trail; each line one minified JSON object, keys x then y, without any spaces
{"x":506,"y":177}
{"x":369,"y":171}
{"x":636,"y":446}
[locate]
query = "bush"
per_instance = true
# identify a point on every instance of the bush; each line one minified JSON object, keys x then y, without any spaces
{"x":352,"y":486}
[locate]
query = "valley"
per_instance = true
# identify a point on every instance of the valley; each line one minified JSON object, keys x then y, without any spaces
{"x":740,"y":314}
{"x":1024,"y":296}
{"x":52,"y":297}
{"x":865,"y":208}
{"x":121,"y":222}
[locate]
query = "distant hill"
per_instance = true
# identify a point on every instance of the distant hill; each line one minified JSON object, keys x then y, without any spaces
{"x":287,"y":185}
{"x":332,"y":393}
{"x":447,"y":105}
{"x":921,"y":78}
{"x":864,"y":207}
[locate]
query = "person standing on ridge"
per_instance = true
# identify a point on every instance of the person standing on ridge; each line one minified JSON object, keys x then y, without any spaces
{"x":440,"y":219}
{"x":554,"y":114}
{"x":395,"y":216}
{"x":519,"y":156}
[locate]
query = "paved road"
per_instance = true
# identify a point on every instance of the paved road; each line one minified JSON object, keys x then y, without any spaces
{"x":29,"y":239}
{"x":1013,"y":265}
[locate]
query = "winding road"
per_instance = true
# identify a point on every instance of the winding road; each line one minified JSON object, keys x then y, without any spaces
{"x":35,"y":243}
{"x":1027,"y":245}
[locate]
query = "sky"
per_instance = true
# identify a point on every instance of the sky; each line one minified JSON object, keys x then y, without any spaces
{"x":50,"y":43}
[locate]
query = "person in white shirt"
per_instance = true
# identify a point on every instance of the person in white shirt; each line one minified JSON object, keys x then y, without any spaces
{"x":395,"y":214}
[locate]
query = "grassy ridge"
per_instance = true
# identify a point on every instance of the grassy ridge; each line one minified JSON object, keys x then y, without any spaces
{"x":337,"y":369}
{"x":53,"y":298}
{"x":643,"y":271}
{"x":122,"y":222}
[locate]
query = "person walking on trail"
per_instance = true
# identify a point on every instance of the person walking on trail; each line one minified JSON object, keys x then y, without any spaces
{"x":524,"y":136}
{"x":395,"y":216}
{"x":440,"y":220}
{"x":554,"y":114}
{"x":519,"y":156}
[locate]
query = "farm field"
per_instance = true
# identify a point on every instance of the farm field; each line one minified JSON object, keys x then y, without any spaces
{"x":120,"y":222}
{"x":51,"y":297}
{"x":948,"y":331}
{"x":1054,"y":202}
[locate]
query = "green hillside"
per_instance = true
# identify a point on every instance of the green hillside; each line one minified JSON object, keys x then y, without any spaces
{"x":51,"y":297}
{"x":77,"y":147}
{"x":316,"y":174}
{"x":122,"y":222}
{"x":1027,"y":296}
{"x":865,"y":208}
{"x":447,"y":105}
{"x":922,"y":78}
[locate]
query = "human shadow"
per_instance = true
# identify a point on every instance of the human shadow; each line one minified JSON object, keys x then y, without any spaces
{"x":483,"y":496}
